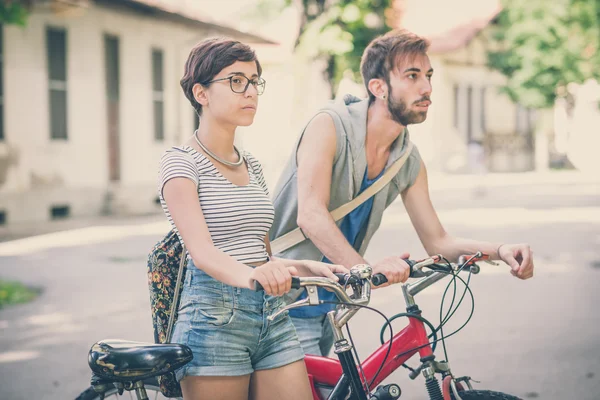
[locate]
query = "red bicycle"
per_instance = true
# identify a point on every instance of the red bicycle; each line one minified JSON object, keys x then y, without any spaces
{"x":139,"y":363}
{"x":344,"y":379}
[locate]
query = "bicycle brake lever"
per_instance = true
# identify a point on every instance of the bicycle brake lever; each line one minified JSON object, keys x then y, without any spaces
{"x":419,"y":274}
{"x":299,"y":303}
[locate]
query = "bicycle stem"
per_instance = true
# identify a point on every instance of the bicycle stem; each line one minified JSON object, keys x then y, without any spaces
{"x":410,"y":290}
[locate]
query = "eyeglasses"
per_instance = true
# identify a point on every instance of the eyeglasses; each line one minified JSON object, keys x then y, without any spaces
{"x":239,"y":83}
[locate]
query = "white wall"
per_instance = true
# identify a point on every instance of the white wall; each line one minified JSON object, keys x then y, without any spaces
{"x":295,"y":91}
{"x":448,"y":144}
{"x":75,"y":171}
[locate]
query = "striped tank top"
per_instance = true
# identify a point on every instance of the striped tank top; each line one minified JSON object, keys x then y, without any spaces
{"x":238,"y":217}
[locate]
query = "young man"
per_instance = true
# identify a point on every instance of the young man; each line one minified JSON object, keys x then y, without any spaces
{"x":346,"y":147}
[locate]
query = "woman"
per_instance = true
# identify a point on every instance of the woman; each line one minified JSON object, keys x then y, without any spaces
{"x":218,"y":202}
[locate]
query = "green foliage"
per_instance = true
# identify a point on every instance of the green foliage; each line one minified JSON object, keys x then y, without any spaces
{"x":13,"y":12}
{"x":336,"y":31}
{"x":341,"y":32}
{"x":542,"y":46}
{"x":15,"y":292}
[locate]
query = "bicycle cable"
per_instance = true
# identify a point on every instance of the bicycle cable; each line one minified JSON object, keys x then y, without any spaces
{"x":387,"y":354}
{"x":451,"y":334}
{"x":419,"y":317}
{"x":450,"y":312}
{"x":362,"y":371}
{"x":435,"y":330}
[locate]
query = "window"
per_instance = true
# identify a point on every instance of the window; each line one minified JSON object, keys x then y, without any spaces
{"x":112,"y":62}
{"x":456,"y":106}
{"x":60,"y":211}
{"x":523,"y":123}
{"x":158,"y":94}
{"x":482,"y":111}
{"x":469,"y":114}
{"x":56,"y":45}
{"x":1,"y":82}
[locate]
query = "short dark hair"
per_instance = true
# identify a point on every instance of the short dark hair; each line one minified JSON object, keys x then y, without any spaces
{"x":386,"y":52}
{"x":208,"y":58}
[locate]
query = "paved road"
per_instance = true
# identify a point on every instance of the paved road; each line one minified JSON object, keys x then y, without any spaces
{"x":535,"y":339}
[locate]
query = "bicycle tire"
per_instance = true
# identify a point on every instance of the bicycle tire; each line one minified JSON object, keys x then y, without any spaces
{"x":151,"y":386}
{"x":484,"y":395}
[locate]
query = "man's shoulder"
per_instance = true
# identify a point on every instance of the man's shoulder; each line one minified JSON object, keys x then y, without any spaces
{"x":342,"y":106}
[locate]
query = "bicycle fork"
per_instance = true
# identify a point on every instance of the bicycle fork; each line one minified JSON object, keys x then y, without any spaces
{"x":350,"y":378}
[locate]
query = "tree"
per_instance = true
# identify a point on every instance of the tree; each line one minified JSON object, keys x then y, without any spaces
{"x":336,"y":31}
{"x":14,"y":12}
{"x":542,"y":46}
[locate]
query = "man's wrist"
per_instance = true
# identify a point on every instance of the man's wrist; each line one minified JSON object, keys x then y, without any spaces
{"x":498,"y":250}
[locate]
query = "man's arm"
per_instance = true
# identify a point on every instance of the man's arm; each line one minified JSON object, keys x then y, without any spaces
{"x":436,"y":240}
{"x":315,"y":157}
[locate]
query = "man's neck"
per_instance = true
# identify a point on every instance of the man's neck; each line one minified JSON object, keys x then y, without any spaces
{"x":382,"y":130}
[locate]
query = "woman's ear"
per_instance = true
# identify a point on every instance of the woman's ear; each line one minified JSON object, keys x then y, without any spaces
{"x":200,"y":94}
{"x":378,"y":88}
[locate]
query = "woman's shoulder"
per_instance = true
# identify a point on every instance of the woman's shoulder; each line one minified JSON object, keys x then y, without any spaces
{"x":253,"y":161}
{"x":186,"y":153}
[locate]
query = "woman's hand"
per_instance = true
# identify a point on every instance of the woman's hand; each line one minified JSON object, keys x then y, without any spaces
{"x":274,"y":276}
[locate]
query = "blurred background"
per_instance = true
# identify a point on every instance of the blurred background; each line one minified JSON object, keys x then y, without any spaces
{"x":90,"y":98}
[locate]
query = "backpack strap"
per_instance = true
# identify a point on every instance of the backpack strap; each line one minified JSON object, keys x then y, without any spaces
{"x":182,"y":263}
{"x":175,"y":302}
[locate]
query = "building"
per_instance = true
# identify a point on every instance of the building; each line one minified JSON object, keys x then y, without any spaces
{"x":90,"y":99}
{"x":472,"y":126}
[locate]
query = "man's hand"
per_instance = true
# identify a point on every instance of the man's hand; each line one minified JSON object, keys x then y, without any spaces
{"x":519,"y":257}
{"x":394,"y":268}
{"x":316,"y":268}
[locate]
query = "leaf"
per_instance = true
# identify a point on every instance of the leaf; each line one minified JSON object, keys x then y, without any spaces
{"x":544,"y":45}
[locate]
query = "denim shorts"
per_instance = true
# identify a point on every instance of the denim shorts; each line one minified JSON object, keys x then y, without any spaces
{"x":227,"y":329}
{"x":315,"y":334}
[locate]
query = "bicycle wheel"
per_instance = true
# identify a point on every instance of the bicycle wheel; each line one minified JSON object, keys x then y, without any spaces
{"x":151,"y":386}
{"x":484,"y":395}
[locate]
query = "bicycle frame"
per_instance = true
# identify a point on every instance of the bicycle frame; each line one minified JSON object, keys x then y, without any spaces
{"x":343,"y":374}
{"x":328,"y":371}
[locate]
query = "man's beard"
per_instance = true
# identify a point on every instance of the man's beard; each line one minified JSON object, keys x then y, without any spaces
{"x":400,"y":114}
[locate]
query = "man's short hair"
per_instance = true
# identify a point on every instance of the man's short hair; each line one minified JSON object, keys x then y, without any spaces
{"x":387,"y":52}
{"x":208,"y":58}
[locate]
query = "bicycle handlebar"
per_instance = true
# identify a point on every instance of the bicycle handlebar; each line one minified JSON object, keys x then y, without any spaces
{"x":379,"y":279}
{"x":362,"y":279}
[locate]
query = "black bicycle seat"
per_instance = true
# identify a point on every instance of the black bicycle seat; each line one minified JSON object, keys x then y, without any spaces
{"x":122,"y":360}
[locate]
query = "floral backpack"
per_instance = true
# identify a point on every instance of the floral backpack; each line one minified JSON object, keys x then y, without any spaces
{"x":166,"y":269}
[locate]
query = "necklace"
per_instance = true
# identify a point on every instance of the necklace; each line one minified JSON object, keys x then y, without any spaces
{"x":213,"y":155}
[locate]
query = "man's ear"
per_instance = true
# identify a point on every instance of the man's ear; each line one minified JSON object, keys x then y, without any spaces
{"x":200,"y":94}
{"x":378,"y":88}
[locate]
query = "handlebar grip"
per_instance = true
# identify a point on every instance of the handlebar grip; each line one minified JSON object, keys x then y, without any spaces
{"x":295,"y":284}
{"x":378,"y":279}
